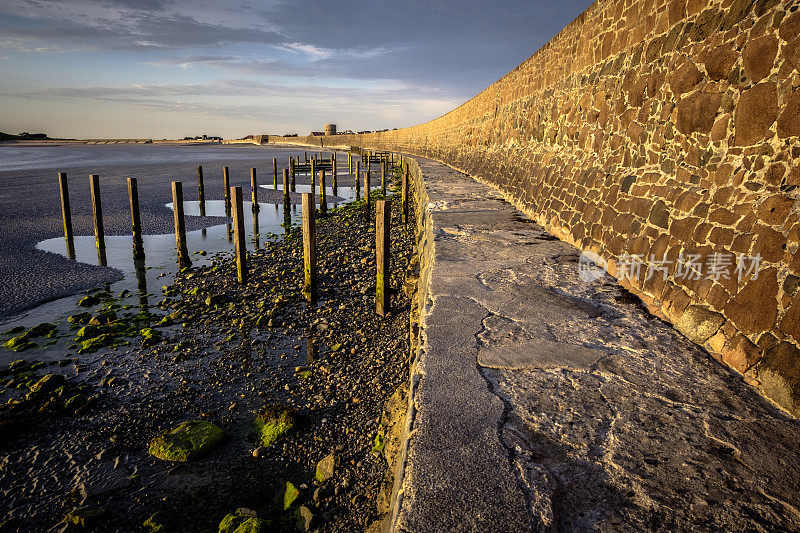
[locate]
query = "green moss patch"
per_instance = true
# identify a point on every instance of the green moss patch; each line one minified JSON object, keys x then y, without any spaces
{"x":243,"y":523}
{"x":273,"y":423}
{"x":187,"y":441}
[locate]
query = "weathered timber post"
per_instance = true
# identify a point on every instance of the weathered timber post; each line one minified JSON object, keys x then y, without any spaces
{"x":333,"y":173}
{"x":238,"y":235}
{"x":97,"y":216}
{"x":287,"y":214}
{"x":291,"y":168}
{"x":366,"y":197}
{"x":309,"y":249}
{"x":226,"y":184}
{"x":313,"y":172}
{"x":256,"y":233}
{"x":383,"y":178}
{"x":66,"y":214}
{"x":254,"y":189}
{"x":274,"y":173}
{"x":404,"y":191}
{"x":201,"y":193}
{"x":357,"y":179}
{"x":180,"y":225}
{"x":305,"y":154}
{"x":383,"y":220}
{"x":350,"y":161}
{"x":136,"y":220}
{"x":323,"y":202}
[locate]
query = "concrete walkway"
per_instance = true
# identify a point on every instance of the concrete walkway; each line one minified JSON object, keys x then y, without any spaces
{"x":541,"y":402}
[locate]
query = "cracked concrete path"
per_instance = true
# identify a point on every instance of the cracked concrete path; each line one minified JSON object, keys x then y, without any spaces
{"x":543,"y":403}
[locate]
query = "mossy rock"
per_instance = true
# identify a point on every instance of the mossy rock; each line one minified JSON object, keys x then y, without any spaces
{"x":273,"y":423}
{"x":325,"y":468}
{"x":187,"y":441}
{"x":89,"y":301}
{"x":155,"y":522}
{"x":150,"y":336}
{"x":82,"y":516}
{"x":14,"y":330}
{"x":79,"y":318}
{"x":94,"y":344}
{"x":45,"y":385}
{"x":87,"y":332}
{"x":19,"y":343}
{"x":242,"y":523}
{"x":290,"y":495}
{"x":40,"y":330}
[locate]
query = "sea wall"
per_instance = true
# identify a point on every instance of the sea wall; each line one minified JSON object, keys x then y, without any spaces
{"x":660,"y":130}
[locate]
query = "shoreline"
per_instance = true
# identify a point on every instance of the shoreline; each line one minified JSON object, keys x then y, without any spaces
{"x":225,"y":363}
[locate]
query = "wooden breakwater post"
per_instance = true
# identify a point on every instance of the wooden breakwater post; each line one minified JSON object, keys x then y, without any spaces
{"x":287,"y":205}
{"x":333,"y":173}
{"x":254,"y":189}
{"x":383,"y":221}
{"x":357,"y":179}
{"x":291,"y":170}
{"x":66,"y":214}
{"x":350,"y":161}
{"x":366,"y":197}
{"x":97,"y":216}
{"x":383,"y":178}
{"x":201,"y":193}
{"x":238,"y":235}
{"x":313,"y":172}
{"x":274,"y":173}
{"x":404,"y":192}
{"x":180,"y":225}
{"x":323,"y":202}
{"x":136,"y":220}
{"x":309,"y":249}
{"x":226,"y":184}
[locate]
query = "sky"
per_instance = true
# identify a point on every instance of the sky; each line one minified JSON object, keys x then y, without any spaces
{"x":174,"y":68}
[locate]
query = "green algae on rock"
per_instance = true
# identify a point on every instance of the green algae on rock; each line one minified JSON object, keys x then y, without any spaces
{"x":150,"y":336}
{"x":290,"y":495}
{"x":273,"y":423}
{"x":187,"y":441}
{"x":82,"y":516}
{"x":95,"y":343}
{"x":240,"y":522}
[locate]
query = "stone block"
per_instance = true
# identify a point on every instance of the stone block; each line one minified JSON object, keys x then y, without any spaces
{"x":755,"y":307}
{"x":696,"y":112}
{"x":758,"y":57}
{"x":755,"y":112}
{"x":779,"y":375}
{"x":699,"y":323}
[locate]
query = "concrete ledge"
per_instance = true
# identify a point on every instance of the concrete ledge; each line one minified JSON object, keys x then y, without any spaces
{"x":540,"y":402}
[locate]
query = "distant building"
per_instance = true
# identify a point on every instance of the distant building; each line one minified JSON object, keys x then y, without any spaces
{"x":330,"y":129}
{"x":317,"y":133}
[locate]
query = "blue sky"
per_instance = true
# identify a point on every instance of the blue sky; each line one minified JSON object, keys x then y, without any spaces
{"x":167,"y":69}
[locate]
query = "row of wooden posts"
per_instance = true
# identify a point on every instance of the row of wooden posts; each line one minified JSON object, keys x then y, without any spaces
{"x":234,"y":209}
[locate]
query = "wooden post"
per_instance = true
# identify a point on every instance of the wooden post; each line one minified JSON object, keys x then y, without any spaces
{"x":383,"y":220}
{"x":309,"y":249}
{"x":323,"y":203}
{"x":66,"y":214}
{"x":305,"y":154}
{"x":333,"y":172}
{"x":97,"y":215}
{"x":180,"y":225}
{"x":226,"y":183}
{"x":291,"y":169}
{"x":238,"y":235}
{"x":254,"y":188}
{"x":404,"y":192}
{"x":274,"y":173}
{"x":287,"y":214}
{"x":350,"y":161}
{"x":136,"y":221}
{"x":313,"y":172}
{"x":357,"y":179}
{"x":366,"y":197}
{"x":201,"y":194}
{"x":383,"y":178}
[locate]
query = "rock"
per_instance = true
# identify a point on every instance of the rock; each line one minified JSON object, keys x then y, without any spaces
{"x":89,"y":301}
{"x":273,"y":423}
{"x":155,"y":522}
{"x":756,"y":111}
{"x":82,"y":516}
{"x":325,"y":468}
{"x":779,"y":374}
{"x":696,"y":112}
{"x":290,"y":495}
{"x":243,"y":523}
{"x":45,"y":386}
{"x":699,"y":323}
{"x":187,"y":441}
{"x":150,"y":336}
{"x":94,"y":344}
{"x":14,"y":330}
{"x":304,"y":517}
{"x":19,"y":344}
{"x":260,"y":451}
{"x":754,"y":308}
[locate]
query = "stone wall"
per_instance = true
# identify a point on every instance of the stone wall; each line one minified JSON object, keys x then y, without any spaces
{"x":657,"y":127}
